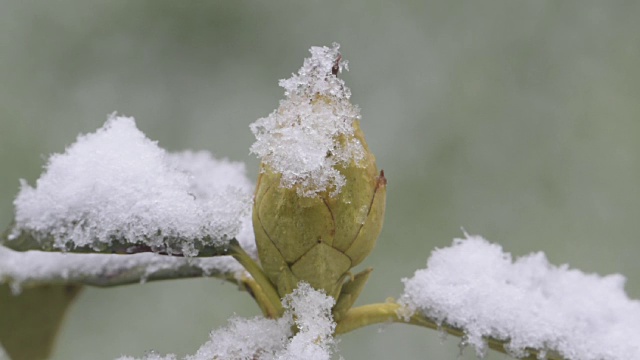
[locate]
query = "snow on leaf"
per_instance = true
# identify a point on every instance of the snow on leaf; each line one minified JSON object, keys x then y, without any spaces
{"x":312,"y":130}
{"x":117,"y":184}
{"x":475,"y":286}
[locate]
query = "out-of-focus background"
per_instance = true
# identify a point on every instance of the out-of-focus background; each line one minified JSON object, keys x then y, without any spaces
{"x":519,"y":121}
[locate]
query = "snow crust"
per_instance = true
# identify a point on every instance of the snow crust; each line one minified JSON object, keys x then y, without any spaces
{"x":312,"y":130}
{"x":117,"y":184}
{"x":475,"y":286}
{"x":259,"y":338}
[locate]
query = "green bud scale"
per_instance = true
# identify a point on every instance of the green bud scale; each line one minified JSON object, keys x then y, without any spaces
{"x":319,"y":200}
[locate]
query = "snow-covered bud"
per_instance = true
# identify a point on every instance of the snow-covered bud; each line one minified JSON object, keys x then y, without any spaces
{"x":319,"y":201}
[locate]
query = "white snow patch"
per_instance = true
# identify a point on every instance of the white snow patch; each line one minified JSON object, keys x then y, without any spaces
{"x":117,"y":184}
{"x":311,"y":311}
{"x":271,"y":339}
{"x":475,"y":286}
{"x":245,"y":339}
{"x":312,"y":130}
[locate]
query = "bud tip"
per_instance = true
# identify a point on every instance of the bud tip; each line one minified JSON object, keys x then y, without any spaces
{"x":382,"y":181}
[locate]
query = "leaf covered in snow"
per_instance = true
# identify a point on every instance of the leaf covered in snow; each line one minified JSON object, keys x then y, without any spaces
{"x":528,"y":302}
{"x":117,"y":185}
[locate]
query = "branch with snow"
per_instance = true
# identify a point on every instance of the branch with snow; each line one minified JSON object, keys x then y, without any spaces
{"x":526,"y":308}
{"x":115,"y":192}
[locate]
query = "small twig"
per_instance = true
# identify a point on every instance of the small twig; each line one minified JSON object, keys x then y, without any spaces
{"x":373,"y":314}
{"x":263,"y":290}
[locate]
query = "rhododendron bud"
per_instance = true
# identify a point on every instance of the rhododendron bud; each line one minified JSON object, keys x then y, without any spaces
{"x":319,"y":201}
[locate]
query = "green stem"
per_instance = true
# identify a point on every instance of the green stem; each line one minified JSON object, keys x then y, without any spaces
{"x":263,"y":301}
{"x":372,"y":314}
{"x":264,"y":293}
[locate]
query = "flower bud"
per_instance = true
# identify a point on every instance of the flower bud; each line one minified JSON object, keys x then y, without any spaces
{"x":319,"y":200}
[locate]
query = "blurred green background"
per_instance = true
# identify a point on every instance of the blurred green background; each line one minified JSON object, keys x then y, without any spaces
{"x":519,"y":121}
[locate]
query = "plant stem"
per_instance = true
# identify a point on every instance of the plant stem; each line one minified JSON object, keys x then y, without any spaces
{"x":372,"y":314}
{"x":263,"y":290}
{"x":252,"y":287}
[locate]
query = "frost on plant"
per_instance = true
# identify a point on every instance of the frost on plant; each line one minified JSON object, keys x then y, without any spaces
{"x":308,"y":310}
{"x":312,"y":130}
{"x":116,"y":184}
{"x":475,"y":286}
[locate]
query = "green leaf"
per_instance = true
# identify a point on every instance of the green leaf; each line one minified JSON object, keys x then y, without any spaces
{"x":30,"y":321}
